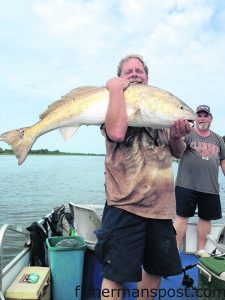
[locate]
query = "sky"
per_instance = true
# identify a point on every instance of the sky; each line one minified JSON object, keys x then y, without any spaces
{"x":49,"y":47}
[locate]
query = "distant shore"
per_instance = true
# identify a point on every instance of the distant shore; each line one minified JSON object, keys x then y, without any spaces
{"x":56,"y":152}
{"x":49,"y":152}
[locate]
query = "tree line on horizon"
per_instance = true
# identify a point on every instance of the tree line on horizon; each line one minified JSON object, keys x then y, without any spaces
{"x":49,"y":152}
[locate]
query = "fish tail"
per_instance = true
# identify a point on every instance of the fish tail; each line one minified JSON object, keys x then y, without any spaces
{"x":20,"y":141}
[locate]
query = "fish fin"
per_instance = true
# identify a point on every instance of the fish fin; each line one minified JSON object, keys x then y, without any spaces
{"x":78,"y":91}
{"x":72,"y":95}
{"x":20,"y":141}
{"x":67,"y":132}
{"x":50,"y":108}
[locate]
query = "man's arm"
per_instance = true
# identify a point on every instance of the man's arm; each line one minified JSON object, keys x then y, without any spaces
{"x":222,"y":163}
{"x":116,"y":116}
{"x":179,"y":129}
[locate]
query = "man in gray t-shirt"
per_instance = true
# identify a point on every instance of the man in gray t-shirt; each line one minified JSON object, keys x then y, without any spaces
{"x":197,"y":179}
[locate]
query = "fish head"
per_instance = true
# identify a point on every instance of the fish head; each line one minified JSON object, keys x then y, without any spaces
{"x":159,"y":108}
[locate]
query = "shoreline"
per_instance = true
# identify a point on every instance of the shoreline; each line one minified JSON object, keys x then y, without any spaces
{"x":51,"y":152}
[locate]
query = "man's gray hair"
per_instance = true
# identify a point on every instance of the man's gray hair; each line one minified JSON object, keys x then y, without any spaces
{"x":126,"y":58}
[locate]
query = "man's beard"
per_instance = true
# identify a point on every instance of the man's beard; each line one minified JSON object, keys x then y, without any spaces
{"x":203,"y":126}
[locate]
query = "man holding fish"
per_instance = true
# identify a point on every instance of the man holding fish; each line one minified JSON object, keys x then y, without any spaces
{"x":137,"y":229}
{"x":146,"y":106}
{"x":143,"y":126}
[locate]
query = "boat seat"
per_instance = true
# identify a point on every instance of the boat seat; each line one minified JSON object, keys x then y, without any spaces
{"x":87,"y":218}
{"x":219,"y":241}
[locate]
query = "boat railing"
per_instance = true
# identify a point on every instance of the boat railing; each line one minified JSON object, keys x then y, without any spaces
{"x":13,"y":264}
{"x":8,"y":272}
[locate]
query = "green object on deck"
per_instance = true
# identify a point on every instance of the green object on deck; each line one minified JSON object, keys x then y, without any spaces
{"x":211,"y":278}
{"x":216,"y":264}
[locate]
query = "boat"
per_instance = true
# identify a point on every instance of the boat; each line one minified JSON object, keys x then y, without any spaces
{"x":87,"y":218}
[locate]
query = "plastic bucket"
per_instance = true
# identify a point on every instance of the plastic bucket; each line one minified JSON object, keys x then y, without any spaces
{"x":66,"y":264}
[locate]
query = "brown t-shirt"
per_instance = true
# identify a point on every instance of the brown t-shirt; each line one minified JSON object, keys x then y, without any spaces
{"x":138,"y":173}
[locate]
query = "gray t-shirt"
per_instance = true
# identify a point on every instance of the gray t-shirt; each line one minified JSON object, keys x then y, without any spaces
{"x":199,"y":165}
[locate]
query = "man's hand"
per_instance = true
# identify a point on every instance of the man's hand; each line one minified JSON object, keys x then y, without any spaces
{"x":116,"y":115}
{"x":117,"y":83}
{"x":180,"y":128}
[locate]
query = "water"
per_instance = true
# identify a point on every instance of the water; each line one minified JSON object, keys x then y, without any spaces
{"x":30,"y":191}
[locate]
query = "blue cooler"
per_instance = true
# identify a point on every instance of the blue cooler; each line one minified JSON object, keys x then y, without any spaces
{"x":66,"y":259}
{"x":92,"y":279}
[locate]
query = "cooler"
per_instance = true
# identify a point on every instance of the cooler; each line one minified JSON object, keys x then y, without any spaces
{"x":92,"y":279}
{"x":211,"y":278}
{"x":66,"y":264}
{"x":31,"y":283}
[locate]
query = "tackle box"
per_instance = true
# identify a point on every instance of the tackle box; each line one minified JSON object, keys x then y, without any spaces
{"x":211,"y":278}
{"x":31,"y":283}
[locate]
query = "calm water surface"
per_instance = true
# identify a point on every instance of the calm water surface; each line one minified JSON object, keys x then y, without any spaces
{"x":28,"y":192}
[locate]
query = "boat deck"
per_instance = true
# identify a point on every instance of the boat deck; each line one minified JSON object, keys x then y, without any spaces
{"x":170,"y":287}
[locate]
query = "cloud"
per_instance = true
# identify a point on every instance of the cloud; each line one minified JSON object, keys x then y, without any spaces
{"x":46,"y":50}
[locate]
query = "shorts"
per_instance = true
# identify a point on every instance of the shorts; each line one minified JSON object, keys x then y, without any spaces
{"x":209,"y":206}
{"x":126,"y":242}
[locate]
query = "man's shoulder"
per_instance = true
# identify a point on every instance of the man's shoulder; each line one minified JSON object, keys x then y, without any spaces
{"x":216,"y":134}
{"x":219,"y":139}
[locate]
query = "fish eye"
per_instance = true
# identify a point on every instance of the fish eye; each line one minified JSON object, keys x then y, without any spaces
{"x":181,"y":107}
